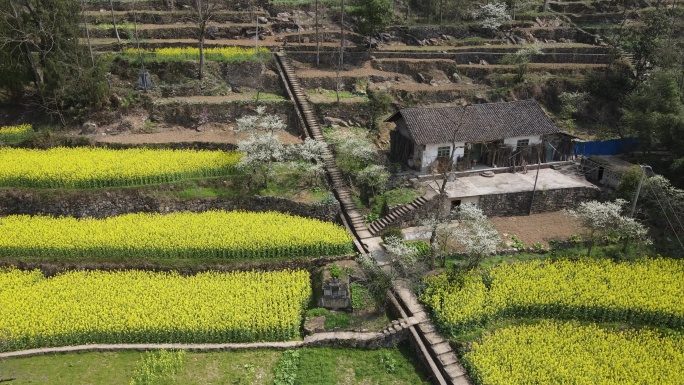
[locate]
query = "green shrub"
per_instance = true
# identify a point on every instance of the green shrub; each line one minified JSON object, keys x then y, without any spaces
{"x":517,"y":243}
{"x":391,"y":232}
{"x":422,"y":248}
{"x":335,"y":270}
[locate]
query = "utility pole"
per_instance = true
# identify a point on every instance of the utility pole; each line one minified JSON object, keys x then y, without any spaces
{"x":638,"y":190}
{"x":318,"y":40}
{"x":256,"y":35}
{"x":534,"y":189}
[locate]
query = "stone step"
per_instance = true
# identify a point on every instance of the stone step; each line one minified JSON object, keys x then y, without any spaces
{"x":441,"y":348}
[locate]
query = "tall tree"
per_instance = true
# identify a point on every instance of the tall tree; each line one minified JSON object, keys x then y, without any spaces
{"x":645,"y":41}
{"x":654,"y":112}
{"x":116,"y":30}
{"x":40,"y":38}
{"x":373,"y":15}
{"x":204,"y":11}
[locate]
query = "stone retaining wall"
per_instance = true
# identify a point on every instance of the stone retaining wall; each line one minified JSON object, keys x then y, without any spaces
{"x":356,"y":340}
{"x":511,"y":204}
{"x":107,"y":203}
{"x":188,"y":114}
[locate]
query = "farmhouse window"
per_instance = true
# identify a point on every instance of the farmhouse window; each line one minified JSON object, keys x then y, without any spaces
{"x":443,"y":152}
{"x":523,"y":143}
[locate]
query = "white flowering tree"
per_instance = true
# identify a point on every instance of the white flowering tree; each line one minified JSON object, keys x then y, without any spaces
{"x":354,"y":153}
{"x":521,"y":60}
{"x":307,"y":158}
{"x":492,"y":15}
{"x":605,"y":219}
{"x":373,"y":177}
{"x":263,"y":147}
{"x":476,"y":234}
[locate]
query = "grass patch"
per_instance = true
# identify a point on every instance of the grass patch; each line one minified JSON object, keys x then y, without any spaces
{"x":317,"y":312}
{"x":337,"y":320}
{"x":116,"y":368}
{"x":326,"y":366}
{"x":317,"y":366}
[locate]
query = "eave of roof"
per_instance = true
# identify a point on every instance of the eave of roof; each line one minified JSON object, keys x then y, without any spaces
{"x":478,"y":122}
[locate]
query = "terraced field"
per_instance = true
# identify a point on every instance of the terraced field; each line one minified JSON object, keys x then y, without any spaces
{"x":568,"y":321}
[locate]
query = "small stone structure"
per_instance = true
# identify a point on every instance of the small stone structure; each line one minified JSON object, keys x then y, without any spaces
{"x":144,"y":81}
{"x":336,"y":293}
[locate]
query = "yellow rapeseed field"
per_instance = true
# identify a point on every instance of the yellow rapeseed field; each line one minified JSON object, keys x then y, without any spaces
{"x":566,"y":353}
{"x":647,"y":291}
{"x":86,"y":307}
{"x":210,"y":234}
{"x":220,"y":54}
{"x":87,"y":167}
{"x":13,"y":134}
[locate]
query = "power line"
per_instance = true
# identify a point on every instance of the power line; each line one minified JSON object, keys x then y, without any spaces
{"x":667,"y":199}
{"x":666,"y":217}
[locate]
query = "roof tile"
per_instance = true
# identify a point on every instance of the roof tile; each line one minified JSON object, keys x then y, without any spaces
{"x":482,"y":122}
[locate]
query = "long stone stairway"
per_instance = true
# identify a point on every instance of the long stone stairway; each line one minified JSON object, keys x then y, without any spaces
{"x":352,"y":217}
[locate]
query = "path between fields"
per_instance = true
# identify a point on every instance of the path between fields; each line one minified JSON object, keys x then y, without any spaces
{"x":317,"y":339}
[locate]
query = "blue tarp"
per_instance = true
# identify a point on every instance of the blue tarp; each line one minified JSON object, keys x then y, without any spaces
{"x":605,"y":147}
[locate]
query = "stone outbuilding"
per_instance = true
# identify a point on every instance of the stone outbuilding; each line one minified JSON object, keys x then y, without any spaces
{"x":606,"y":170}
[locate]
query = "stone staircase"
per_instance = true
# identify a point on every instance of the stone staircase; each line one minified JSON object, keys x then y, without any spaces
{"x":351,"y":216}
{"x":397,"y":212}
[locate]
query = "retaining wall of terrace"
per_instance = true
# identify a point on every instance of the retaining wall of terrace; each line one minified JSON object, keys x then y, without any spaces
{"x":356,"y":340}
{"x":492,"y":55}
{"x":179,"y":78}
{"x":188,"y":114}
{"x":107,"y":203}
{"x":512,"y":204}
{"x":168,"y":18}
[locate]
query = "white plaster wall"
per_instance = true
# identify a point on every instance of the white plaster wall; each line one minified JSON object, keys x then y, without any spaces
{"x":430,"y":153}
{"x":474,"y":200}
{"x":513,"y":142}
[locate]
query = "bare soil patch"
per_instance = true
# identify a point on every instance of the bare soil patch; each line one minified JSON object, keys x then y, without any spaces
{"x":211,"y":133}
{"x":540,"y":228}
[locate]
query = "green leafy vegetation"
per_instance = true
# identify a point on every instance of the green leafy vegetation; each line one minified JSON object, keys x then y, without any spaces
{"x":361,"y":297}
{"x":337,"y":320}
{"x":285,"y":371}
{"x":158,"y":366}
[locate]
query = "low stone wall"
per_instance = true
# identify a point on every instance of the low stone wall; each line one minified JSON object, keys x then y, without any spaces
{"x":107,"y":203}
{"x":512,"y":204}
{"x":188,"y":114}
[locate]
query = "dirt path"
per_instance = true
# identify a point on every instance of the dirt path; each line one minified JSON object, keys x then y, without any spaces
{"x":538,"y":227}
{"x":213,"y":132}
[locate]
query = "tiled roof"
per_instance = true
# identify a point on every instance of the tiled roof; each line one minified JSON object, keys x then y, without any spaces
{"x":482,"y":122}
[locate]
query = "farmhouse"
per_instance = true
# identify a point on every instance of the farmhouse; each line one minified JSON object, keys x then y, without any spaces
{"x":482,"y":135}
